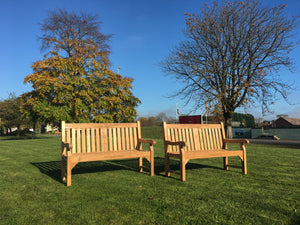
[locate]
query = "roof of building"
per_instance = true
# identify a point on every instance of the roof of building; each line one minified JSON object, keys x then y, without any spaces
{"x":293,"y":121}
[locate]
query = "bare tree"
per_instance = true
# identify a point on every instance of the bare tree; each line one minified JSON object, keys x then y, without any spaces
{"x":232,"y":55}
{"x":73,"y":34}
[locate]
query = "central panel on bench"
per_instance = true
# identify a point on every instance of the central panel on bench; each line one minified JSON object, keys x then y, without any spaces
{"x":196,"y":137}
{"x":102,"y":137}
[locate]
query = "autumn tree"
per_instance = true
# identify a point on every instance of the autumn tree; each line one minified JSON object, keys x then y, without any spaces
{"x":232,"y":55}
{"x":74,"y":82}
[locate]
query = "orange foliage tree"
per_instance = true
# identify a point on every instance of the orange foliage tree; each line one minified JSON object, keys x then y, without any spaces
{"x":73,"y":82}
{"x":232,"y":55}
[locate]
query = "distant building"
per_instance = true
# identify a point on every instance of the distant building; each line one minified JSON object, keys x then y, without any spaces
{"x":287,"y":122}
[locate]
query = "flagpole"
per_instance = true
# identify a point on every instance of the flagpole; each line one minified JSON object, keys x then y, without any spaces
{"x":177,"y":111}
{"x":206,"y":112}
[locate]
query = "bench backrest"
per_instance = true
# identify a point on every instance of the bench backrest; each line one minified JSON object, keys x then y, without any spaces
{"x":196,"y":136}
{"x":101,"y":137}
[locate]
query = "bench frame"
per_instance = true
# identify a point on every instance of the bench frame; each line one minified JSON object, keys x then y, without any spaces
{"x":188,"y":147}
{"x":119,"y":141}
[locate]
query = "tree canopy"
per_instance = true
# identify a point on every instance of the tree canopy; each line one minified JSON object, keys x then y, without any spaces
{"x":10,"y":115}
{"x":73,"y":82}
{"x":247,"y":119}
{"x":232,"y":55}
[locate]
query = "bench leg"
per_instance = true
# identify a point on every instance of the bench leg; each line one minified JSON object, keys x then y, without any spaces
{"x":244,"y":160}
{"x":167,"y":165}
{"x":244,"y":164}
{"x":69,"y":178}
{"x":225,"y":161}
{"x":182,"y":168}
{"x":152,"y":162}
{"x":140,"y":164}
{"x":69,"y":171}
{"x":63,"y":169}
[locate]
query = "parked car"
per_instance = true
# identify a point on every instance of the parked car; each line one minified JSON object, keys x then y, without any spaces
{"x":239,"y":132}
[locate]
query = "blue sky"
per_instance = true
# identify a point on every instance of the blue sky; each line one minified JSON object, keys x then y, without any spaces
{"x":144,"y":32}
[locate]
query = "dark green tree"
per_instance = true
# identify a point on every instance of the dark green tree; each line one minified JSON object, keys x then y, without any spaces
{"x":247,"y":119}
{"x":10,"y":114}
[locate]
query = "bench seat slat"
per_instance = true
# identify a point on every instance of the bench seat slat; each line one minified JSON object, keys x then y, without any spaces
{"x":94,"y":156}
{"x":209,"y":153}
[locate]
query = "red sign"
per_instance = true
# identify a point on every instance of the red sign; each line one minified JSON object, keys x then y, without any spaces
{"x":190,"y":119}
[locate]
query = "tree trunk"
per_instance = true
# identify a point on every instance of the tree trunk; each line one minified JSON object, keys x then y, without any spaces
{"x":18,"y":129}
{"x":34,"y":127}
{"x":228,"y":124}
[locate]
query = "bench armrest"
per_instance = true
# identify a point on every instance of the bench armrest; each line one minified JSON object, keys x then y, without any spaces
{"x":241,"y":141}
{"x":149,"y":141}
{"x":68,"y":146}
{"x":181,"y":144}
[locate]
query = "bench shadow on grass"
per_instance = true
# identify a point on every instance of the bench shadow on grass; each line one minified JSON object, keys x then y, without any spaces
{"x":175,"y":166}
{"x":53,"y":168}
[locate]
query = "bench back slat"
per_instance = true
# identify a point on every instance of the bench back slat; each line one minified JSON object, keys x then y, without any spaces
{"x":101,"y":137}
{"x":123,"y":138}
{"x":104,"y":140}
{"x":196,"y":136}
{"x":93,"y":139}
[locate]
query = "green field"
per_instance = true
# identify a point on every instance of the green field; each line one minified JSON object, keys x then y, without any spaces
{"x":113,"y":192}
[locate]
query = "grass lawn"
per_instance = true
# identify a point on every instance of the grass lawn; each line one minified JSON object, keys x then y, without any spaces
{"x":112,"y":192}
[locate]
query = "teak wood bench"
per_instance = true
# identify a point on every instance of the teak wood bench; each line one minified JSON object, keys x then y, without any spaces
{"x":196,"y":141}
{"x":85,"y":142}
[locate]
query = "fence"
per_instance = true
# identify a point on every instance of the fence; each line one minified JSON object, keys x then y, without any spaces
{"x":282,"y":133}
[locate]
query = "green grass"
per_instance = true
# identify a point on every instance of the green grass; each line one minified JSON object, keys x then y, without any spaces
{"x":152,"y":132}
{"x":114,"y":193}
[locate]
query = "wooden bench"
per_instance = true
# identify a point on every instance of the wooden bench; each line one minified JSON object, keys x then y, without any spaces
{"x":84,"y":142}
{"x":196,"y":141}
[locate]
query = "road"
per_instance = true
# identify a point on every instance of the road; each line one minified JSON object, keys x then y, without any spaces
{"x":294,"y":143}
